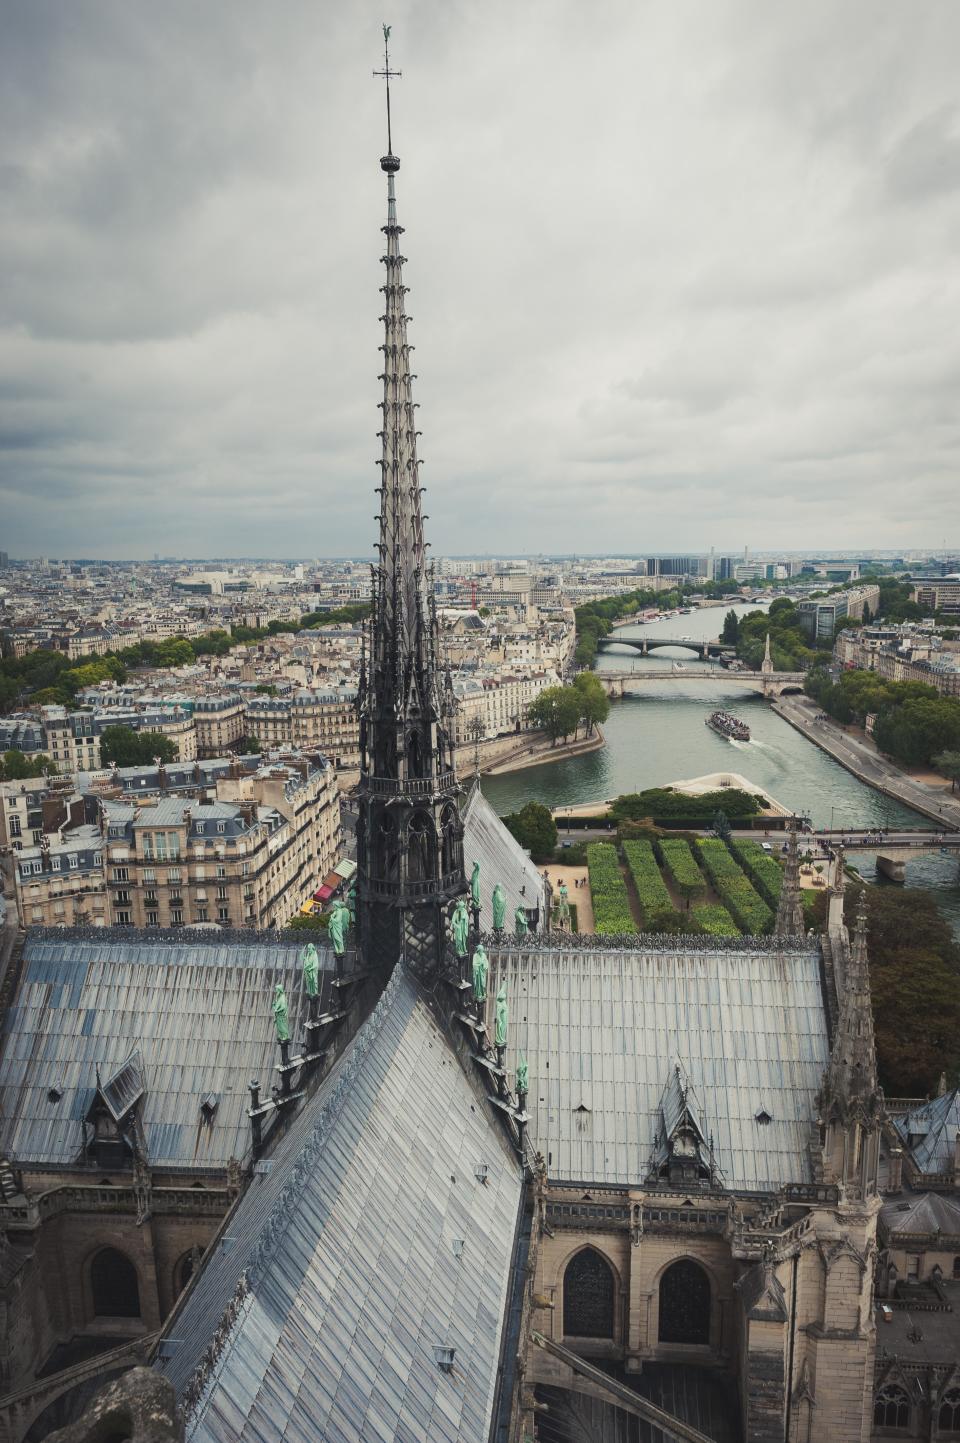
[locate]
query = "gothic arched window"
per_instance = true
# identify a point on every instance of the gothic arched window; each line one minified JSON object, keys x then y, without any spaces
{"x":891,"y":1408}
{"x":422,"y":847}
{"x":448,"y":824}
{"x":949,"y":1419}
{"x":113,"y":1282}
{"x":588,"y":1296}
{"x":684,"y":1304}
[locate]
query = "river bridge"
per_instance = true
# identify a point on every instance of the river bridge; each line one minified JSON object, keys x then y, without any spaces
{"x":767,"y":683}
{"x":645,"y":644}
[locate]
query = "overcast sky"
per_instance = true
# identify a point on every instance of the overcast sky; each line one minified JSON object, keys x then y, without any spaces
{"x":682,"y":274}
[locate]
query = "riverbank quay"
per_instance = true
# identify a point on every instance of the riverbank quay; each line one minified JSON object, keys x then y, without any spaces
{"x":860,"y":757}
{"x":532,"y":753}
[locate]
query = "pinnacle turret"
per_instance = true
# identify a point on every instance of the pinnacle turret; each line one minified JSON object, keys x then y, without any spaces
{"x":789,"y":922}
{"x":851,"y":1102}
{"x":850,"y":1087}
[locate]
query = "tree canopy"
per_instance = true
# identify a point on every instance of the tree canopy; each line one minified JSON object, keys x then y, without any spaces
{"x":534,"y":828}
{"x":594,"y":702}
{"x":556,"y":711}
{"x":16,"y":767}
{"x":914,"y":724}
{"x":129,"y":748}
{"x":948,"y":762}
{"x":915,"y":986}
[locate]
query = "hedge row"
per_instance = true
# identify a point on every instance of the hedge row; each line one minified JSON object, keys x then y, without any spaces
{"x":680,"y":862}
{"x":655,"y":900}
{"x":716,"y":921}
{"x":736,"y":892}
{"x":611,"y":905}
{"x":762,"y":868}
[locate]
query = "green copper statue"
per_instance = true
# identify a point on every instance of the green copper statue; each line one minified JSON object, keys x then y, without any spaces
{"x":499,"y":907}
{"x":460,"y":927}
{"x":520,"y":923}
{"x":339,"y":922}
{"x":481,"y":970}
{"x":500,"y":1036}
{"x":523,"y":1074}
{"x":352,"y":904}
{"x":475,"y":884}
{"x":280,"y":1015}
{"x":311,"y":969}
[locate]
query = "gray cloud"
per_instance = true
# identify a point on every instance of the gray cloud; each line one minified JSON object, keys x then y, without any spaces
{"x":681,"y":275}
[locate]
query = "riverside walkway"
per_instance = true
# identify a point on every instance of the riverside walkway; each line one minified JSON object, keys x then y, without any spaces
{"x":860,"y":756}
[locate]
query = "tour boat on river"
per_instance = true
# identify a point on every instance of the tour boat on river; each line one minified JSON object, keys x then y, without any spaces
{"x":729,"y":726}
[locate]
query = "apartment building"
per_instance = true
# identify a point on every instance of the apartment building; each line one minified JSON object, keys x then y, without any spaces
{"x":314,"y":720}
{"x":901,"y":656}
{"x":72,"y":738}
{"x":245,"y":856}
{"x":499,"y":705}
{"x":219,"y":721}
{"x":21,"y":813}
{"x":61,"y":882}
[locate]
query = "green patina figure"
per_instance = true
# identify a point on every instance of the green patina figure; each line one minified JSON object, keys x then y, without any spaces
{"x":475,"y":884}
{"x":481,"y":970}
{"x":311,"y":969}
{"x":337,"y":927}
{"x":280,"y":1014}
{"x":352,"y":904}
{"x":499,"y":907}
{"x":460,"y":927}
{"x":523,"y":1074}
{"x":520,"y":924}
{"x":500,"y":1036}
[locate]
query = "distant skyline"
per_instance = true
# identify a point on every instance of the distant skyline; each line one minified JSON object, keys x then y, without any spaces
{"x":816,"y":553}
{"x":680,"y":276}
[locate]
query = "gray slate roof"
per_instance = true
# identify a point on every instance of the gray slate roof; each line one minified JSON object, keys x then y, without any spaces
{"x":928,"y":1213}
{"x":502,"y":859}
{"x":603,"y":1031}
{"x":933,"y":1128}
{"x":347,"y":1250}
{"x":198,"y":1014}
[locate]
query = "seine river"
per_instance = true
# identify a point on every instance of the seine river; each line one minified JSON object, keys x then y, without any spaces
{"x":657,"y":735}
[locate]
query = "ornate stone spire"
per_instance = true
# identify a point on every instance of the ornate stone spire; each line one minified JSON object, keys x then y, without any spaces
{"x":409,"y":838}
{"x":789,"y":921}
{"x":850,"y":1099}
{"x":766,"y":666}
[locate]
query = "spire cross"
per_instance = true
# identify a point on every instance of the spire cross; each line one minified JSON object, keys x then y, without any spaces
{"x":387,"y":74}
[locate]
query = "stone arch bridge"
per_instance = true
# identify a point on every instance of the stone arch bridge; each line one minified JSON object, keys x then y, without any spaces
{"x":645,"y":644}
{"x":768,"y":684}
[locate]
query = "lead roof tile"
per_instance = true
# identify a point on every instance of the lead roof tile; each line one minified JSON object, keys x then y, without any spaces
{"x":380,"y":1295}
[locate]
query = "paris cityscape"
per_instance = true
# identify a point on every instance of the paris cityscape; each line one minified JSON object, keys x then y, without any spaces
{"x":480,"y":911}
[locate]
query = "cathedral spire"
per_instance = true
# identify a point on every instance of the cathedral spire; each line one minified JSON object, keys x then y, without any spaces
{"x":789,"y":921}
{"x":402,"y":642}
{"x":409,"y":836}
